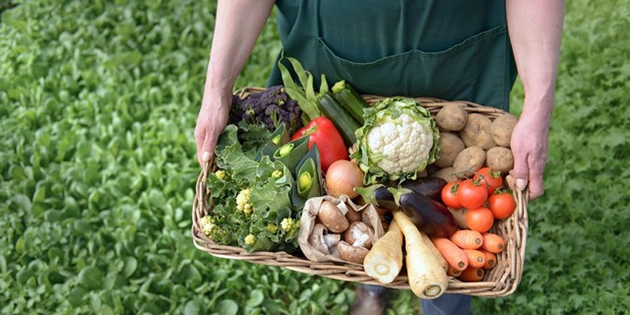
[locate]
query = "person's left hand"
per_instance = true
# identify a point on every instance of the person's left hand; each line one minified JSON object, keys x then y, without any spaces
{"x":529,"y":147}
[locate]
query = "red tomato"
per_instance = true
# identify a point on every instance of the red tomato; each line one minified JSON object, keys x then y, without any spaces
{"x":490,"y":178}
{"x":472,"y":194}
{"x":449,"y":195}
{"x":502,"y":205}
{"x":480,"y":219}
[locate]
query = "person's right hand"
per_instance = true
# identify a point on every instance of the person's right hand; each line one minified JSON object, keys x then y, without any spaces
{"x":213,"y":117}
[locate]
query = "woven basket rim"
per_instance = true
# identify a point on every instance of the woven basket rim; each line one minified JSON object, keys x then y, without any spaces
{"x":502,"y":280}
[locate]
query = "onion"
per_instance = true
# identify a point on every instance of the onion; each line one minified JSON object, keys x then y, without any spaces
{"x":342,"y":177}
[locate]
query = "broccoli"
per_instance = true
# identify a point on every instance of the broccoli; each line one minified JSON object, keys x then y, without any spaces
{"x":270,"y":107}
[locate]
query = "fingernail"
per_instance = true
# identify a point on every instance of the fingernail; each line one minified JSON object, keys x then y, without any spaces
{"x":205,"y":157}
{"x":521,"y":183}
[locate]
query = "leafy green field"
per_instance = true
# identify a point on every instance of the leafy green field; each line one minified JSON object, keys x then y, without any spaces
{"x":98,"y":102}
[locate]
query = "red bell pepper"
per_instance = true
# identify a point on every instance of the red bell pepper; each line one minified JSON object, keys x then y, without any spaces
{"x":329,"y":141}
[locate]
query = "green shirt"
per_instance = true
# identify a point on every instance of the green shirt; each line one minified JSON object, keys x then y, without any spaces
{"x":449,"y":49}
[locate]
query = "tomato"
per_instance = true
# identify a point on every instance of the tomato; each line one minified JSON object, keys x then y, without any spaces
{"x":472,"y":194}
{"x":449,"y":195}
{"x":491,"y":178}
{"x":502,"y":205}
{"x":480,"y":219}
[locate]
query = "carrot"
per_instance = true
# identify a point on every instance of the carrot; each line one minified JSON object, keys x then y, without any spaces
{"x":427,"y":278}
{"x":467,"y":239}
{"x":472,"y":274}
{"x":454,"y":255}
{"x":385,"y":259}
{"x":493,"y":243}
{"x":453,"y":272}
{"x":491,"y":259}
{"x":475,"y":258}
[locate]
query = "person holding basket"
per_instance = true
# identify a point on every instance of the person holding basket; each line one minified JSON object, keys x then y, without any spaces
{"x":453,"y":50}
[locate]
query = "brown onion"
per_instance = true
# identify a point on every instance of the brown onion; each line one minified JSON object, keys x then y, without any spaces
{"x":342,"y":177}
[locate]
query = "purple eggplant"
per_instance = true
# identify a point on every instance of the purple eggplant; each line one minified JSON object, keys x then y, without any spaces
{"x":428,"y":186}
{"x":378,"y":195}
{"x":429,"y":215}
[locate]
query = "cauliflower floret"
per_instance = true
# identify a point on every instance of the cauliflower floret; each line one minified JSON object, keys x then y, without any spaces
{"x":207,"y":225}
{"x":400,"y":146}
{"x":287,"y":224}
{"x":250,"y":240}
{"x":276,"y":174}
{"x":242,"y":201}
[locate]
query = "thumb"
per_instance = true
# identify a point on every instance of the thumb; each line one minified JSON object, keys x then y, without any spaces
{"x":207,"y":149}
{"x":520,"y":172}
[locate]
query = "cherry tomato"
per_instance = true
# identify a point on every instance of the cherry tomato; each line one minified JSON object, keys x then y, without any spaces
{"x":502,"y":205}
{"x":490,"y":178}
{"x":449,"y":195}
{"x":480,"y":219}
{"x":472,"y":194}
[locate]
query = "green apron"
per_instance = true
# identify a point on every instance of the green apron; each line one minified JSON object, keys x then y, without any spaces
{"x":453,"y":50}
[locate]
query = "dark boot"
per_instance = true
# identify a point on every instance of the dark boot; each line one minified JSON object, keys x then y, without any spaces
{"x":369,"y":301}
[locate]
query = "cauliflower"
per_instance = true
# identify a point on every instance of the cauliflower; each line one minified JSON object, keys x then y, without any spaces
{"x":399,"y":139}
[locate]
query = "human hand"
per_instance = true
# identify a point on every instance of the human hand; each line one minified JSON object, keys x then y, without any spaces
{"x":529,"y":147}
{"x":213,"y":117}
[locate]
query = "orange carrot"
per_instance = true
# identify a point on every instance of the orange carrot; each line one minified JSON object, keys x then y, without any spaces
{"x":472,"y":274}
{"x":493,"y":243}
{"x":454,"y":255}
{"x":491,"y":259}
{"x":475,"y":258}
{"x":467,"y":239}
{"x":453,"y":272}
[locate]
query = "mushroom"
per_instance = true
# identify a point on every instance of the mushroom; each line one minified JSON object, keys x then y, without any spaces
{"x":332,"y":217}
{"x":359,"y":234}
{"x":351,"y":253}
{"x":353,"y":215}
{"x":321,"y":240}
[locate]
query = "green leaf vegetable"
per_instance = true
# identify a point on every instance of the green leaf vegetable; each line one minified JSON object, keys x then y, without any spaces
{"x":399,"y":139}
{"x":252,"y":191}
{"x":304,"y":93}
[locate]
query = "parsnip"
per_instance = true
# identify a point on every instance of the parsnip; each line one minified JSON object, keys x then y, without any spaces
{"x":384,"y":261}
{"x":427,"y":277}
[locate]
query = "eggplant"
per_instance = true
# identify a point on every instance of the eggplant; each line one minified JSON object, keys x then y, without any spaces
{"x":378,"y":195}
{"x":428,"y":186}
{"x":429,"y":215}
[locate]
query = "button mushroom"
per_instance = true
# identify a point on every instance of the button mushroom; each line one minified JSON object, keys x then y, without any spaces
{"x":332,"y":217}
{"x":353,"y":215}
{"x":351,"y":253}
{"x":321,"y":240}
{"x":359,"y":234}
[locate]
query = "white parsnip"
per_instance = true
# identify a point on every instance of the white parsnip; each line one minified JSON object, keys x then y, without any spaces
{"x":427,"y":277}
{"x":385,"y":259}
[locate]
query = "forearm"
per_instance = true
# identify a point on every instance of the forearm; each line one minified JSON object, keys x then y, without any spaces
{"x":238,"y":25}
{"x":535,"y":28}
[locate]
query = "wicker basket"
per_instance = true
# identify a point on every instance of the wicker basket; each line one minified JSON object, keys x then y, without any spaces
{"x":502,"y":280}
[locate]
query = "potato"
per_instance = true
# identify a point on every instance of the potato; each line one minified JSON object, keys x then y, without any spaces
{"x":476,"y":133}
{"x":469,"y":161}
{"x":447,"y":174}
{"x":500,"y":159}
{"x":501,"y":129}
{"x":452,"y":117}
{"x":450,"y":146}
